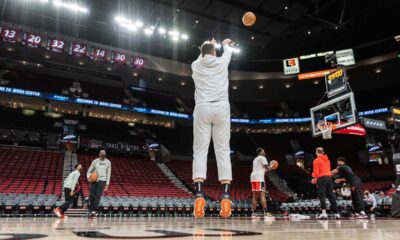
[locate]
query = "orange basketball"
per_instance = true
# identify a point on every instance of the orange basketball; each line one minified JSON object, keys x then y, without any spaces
{"x":93,"y":177}
{"x":274,"y":164}
{"x":249,"y":19}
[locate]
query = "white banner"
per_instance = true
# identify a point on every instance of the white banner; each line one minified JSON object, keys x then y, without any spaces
{"x":345,"y":57}
{"x":291,"y":66}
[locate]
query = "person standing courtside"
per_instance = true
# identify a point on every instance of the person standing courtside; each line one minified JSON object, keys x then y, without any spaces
{"x":323,"y":178}
{"x":102,"y":166}
{"x":347,"y":175}
{"x":69,"y":191}
{"x":212,"y":120}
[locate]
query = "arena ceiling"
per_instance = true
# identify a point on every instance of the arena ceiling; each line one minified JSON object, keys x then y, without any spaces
{"x":284,"y":28}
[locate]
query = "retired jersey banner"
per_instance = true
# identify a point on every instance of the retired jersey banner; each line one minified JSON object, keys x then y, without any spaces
{"x":291,"y":66}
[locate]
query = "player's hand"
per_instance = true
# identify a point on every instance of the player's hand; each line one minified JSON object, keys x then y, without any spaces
{"x":106,"y":188}
{"x":337,"y":181}
{"x":314,"y":181}
{"x":213,"y":41}
{"x":71,"y":194}
{"x":228,"y":42}
{"x":371,"y":209}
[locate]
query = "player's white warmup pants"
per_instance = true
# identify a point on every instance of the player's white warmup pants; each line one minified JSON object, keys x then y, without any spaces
{"x":212,"y":120}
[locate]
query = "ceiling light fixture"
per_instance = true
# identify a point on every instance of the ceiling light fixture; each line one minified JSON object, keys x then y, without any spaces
{"x":148,"y":31}
{"x":162,"y":30}
{"x":139,"y":23}
{"x":175,"y":38}
{"x":184,"y":36}
{"x":236,"y":50}
{"x":173,"y":33}
{"x":71,"y":6}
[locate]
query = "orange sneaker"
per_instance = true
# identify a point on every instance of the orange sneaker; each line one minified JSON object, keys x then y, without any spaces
{"x":57,"y":212}
{"x":226,"y":210}
{"x":198,"y":210}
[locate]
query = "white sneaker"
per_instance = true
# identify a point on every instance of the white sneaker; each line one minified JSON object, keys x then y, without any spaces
{"x":372,"y":215}
{"x":322,"y":216}
{"x":268,"y":216}
{"x":336,"y":216}
{"x":361,"y":216}
{"x":254,"y":216}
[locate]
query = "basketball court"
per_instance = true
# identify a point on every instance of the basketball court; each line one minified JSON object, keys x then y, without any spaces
{"x":200,"y":119}
{"x":188,"y":228}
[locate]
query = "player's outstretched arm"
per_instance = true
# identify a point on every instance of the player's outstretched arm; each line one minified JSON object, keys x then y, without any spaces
{"x":226,"y":56}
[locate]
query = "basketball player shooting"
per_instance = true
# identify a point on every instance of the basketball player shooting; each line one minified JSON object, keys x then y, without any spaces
{"x":212,"y":120}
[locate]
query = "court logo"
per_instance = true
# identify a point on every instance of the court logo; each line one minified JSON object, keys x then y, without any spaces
{"x":291,"y":66}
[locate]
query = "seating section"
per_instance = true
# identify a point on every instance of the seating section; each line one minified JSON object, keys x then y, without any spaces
{"x":135,"y":178}
{"x":312,"y":206}
{"x":383,"y":172}
{"x":30,"y":171}
{"x":360,"y":170}
{"x":240,"y":189}
{"x":23,"y":203}
{"x":377,"y":186}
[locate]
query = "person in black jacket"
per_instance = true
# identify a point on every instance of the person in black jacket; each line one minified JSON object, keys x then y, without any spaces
{"x":347,"y":175}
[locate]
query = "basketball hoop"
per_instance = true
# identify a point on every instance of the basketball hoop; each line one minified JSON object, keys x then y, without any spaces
{"x":326,"y":129}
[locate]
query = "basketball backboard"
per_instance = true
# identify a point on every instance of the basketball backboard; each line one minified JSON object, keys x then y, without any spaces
{"x":340,"y":111}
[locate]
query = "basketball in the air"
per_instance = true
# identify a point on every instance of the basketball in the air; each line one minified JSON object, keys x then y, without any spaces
{"x":274,"y":164}
{"x":93,"y":177}
{"x":249,"y":19}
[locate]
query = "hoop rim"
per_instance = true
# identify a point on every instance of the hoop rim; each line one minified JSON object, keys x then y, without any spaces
{"x":326,"y":125}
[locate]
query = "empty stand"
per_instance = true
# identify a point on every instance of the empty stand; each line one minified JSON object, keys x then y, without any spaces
{"x":30,"y":171}
{"x":136,"y":178}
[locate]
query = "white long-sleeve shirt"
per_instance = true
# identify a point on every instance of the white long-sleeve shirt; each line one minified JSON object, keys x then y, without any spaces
{"x":210,"y":76}
{"x":103,"y":169}
{"x":71,"y":180}
{"x":371,"y":200}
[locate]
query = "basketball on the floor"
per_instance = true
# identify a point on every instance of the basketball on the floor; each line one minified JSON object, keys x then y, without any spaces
{"x":248,"y":19}
{"x":93,"y":177}
{"x":274,"y":164}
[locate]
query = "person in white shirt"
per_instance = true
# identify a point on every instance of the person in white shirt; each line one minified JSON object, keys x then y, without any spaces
{"x":257,"y":179}
{"x":212,"y":119}
{"x":69,"y":191}
{"x":102,"y":166}
{"x":370,"y":202}
{"x":345,"y":191}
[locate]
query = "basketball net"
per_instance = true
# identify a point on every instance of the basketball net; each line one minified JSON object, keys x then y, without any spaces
{"x":326,"y":129}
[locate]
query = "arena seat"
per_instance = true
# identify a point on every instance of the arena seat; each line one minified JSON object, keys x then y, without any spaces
{"x":135,"y":178}
{"x":240,"y":189}
{"x":27,"y":171}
